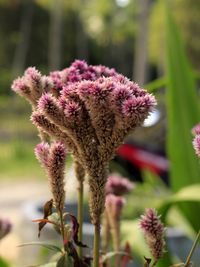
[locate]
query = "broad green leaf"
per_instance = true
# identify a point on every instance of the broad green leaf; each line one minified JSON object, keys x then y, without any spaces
{"x":187,"y":194}
{"x":183,"y":113}
{"x":45,"y":245}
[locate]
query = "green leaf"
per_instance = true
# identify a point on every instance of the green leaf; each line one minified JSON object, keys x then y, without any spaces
{"x":51,"y":264}
{"x":112,"y":254}
{"x":156,"y":84}
{"x":187,"y":194}
{"x":45,"y":245}
{"x":65,"y":261}
{"x":183,"y":114}
{"x":3,"y":263}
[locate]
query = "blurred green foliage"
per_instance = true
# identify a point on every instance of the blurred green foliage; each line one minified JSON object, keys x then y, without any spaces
{"x":186,"y":14}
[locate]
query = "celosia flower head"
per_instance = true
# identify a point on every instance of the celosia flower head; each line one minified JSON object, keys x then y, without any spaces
{"x":93,"y":108}
{"x":118,"y":185}
{"x":153,"y":230}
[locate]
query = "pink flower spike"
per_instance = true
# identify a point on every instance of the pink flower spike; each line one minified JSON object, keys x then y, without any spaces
{"x":80,"y":65}
{"x":72,"y":109}
{"x":42,"y":153}
{"x":120,"y":94}
{"x":58,"y":153}
{"x":154,"y":232}
{"x":47,"y":83}
{"x":118,"y":185}
{"x":45,"y":101}
{"x":196,"y":129}
{"x":196,"y":144}
{"x":33,"y":75}
{"x":20,"y":86}
{"x":150,"y":223}
{"x":140,"y":105}
{"x":114,"y":204}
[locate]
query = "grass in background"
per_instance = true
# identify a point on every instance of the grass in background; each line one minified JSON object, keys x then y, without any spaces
{"x":18,"y":138}
{"x":17,"y":161}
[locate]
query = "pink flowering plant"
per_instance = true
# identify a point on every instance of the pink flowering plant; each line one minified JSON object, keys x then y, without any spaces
{"x":87,"y":111}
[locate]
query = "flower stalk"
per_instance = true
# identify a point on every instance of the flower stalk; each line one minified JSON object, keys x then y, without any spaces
{"x":96,"y":245}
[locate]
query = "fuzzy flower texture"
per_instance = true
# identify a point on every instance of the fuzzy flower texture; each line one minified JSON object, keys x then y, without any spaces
{"x":118,"y":185}
{"x":90,"y":109}
{"x":154,"y":233}
{"x":52,"y":159}
{"x":196,"y":141}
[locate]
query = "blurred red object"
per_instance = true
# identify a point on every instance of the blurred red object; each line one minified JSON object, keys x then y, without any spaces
{"x":143,"y":159}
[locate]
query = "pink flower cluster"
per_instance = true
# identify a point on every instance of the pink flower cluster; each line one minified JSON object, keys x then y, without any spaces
{"x":196,"y":141}
{"x":118,"y":185}
{"x":154,"y":232}
{"x":89,"y":108}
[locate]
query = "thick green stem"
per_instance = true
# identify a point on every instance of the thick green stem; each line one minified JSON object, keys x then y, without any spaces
{"x":96,"y":245}
{"x":80,"y":216}
{"x":187,"y":263}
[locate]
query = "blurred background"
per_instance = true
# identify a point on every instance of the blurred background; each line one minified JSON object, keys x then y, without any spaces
{"x":135,"y":38}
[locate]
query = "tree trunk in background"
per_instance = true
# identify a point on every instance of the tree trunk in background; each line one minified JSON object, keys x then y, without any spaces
{"x":140,"y":66}
{"x":55,"y":34}
{"x":21,"y":50}
{"x":81,"y":37}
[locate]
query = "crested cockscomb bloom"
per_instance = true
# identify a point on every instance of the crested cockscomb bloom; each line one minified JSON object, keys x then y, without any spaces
{"x":196,"y":144}
{"x":154,"y":231}
{"x":53,"y":158}
{"x":97,"y":115}
{"x":118,"y":185}
{"x":94,"y":109}
{"x":5,"y":228}
{"x":196,"y":129}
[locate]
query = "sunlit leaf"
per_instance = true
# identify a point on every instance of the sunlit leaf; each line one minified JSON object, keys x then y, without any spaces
{"x":42,"y":244}
{"x":183,"y":113}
